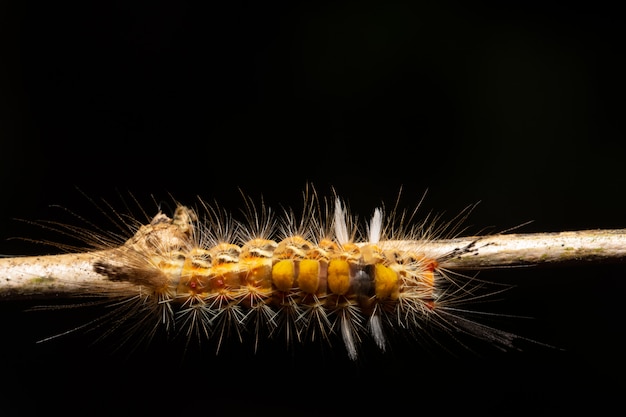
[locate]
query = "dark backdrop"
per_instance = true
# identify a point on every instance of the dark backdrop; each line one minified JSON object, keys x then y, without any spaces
{"x":517,"y":106}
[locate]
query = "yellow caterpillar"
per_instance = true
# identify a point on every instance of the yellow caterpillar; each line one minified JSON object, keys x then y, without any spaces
{"x":304,"y":278}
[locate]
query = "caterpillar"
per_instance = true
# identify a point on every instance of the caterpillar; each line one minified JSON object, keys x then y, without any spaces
{"x":320,"y":275}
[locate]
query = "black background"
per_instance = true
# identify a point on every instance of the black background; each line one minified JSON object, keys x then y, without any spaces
{"x":517,"y":106}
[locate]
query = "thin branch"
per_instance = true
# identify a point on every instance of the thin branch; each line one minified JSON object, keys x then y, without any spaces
{"x":56,"y":275}
{"x":76,"y":274}
{"x":533,"y":249}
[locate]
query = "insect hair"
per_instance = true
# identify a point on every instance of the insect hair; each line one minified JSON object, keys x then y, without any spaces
{"x":321,"y":274}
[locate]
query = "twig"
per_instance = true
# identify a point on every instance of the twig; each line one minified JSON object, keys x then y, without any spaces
{"x":76,"y":274}
{"x":538,"y":249}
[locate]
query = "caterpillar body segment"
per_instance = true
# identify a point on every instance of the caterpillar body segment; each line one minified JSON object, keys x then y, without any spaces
{"x":217,"y":280}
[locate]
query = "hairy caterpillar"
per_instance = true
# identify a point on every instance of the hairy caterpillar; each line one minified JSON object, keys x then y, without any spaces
{"x":320,"y":275}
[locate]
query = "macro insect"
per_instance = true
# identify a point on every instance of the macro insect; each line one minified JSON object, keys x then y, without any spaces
{"x":316,"y":276}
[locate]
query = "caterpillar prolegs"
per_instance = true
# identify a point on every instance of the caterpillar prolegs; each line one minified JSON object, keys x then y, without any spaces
{"x":315,"y":276}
